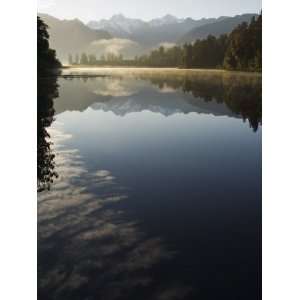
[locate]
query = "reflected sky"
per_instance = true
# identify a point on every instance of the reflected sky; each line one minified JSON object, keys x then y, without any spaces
{"x":159,"y":190}
{"x":85,"y":246}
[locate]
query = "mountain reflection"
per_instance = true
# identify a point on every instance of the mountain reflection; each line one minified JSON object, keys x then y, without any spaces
{"x":233,"y":95}
{"x":86,"y":248}
{"x":160,"y":217}
{"x":46,"y":92}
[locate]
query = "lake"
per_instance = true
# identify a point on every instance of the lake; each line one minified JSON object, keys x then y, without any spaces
{"x":149,"y":185}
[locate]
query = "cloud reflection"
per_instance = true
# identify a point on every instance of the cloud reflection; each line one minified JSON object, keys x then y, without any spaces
{"x":114,"y":88}
{"x":87,"y":249}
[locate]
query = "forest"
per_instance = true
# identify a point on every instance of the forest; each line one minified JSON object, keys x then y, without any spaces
{"x":240,"y":50}
{"x":47,"y":69}
{"x":47,"y":61}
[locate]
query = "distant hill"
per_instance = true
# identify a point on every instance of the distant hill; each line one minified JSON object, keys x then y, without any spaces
{"x":131,"y":37}
{"x":217,"y":28}
{"x":70,"y":36}
{"x":167,"y":29}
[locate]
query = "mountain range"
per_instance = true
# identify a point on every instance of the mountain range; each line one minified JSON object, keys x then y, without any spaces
{"x":217,"y":28}
{"x":71,"y":36}
{"x":167,"y":29}
{"x":130,"y":37}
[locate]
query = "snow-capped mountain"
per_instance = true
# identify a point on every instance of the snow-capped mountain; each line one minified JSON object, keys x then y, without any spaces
{"x":129,"y":36}
{"x":119,"y":25}
{"x":166,"y":20}
{"x":129,"y":25}
{"x":149,"y":33}
{"x":71,"y":36}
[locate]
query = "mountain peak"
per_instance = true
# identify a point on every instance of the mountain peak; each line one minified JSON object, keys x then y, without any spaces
{"x":169,"y":17}
{"x":117,"y":17}
{"x":165,"y":20}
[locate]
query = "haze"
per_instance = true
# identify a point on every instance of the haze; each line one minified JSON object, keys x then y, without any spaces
{"x":87,"y":10}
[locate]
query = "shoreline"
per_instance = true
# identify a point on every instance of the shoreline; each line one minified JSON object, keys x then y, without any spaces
{"x":103,"y":70}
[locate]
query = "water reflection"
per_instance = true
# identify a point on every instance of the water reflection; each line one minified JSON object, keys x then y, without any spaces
{"x":241,"y":94}
{"x":158,"y":194}
{"x":217,"y":94}
{"x":87,"y":249}
{"x":46,"y":92}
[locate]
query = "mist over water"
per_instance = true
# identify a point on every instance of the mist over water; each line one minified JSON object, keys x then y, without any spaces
{"x":158,"y":194}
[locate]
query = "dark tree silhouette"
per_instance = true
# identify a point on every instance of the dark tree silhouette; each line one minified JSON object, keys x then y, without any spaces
{"x":242,"y":95}
{"x":47,"y":68}
{"x":244,"y":51}
{"x":46,"y":92}
{"x":47,"y":62}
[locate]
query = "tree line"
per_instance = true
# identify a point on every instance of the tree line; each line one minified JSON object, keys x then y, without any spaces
{"x":47,"y":68}
{"x":91,"y":59}
{"x":47,"y":61}
{"x":239,"y":50}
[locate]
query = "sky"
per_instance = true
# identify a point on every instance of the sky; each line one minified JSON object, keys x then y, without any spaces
{"x":87,"y":10}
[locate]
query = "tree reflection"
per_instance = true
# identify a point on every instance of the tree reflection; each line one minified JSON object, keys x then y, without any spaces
{"x":46,"y":92}
{"x":241,"y":94}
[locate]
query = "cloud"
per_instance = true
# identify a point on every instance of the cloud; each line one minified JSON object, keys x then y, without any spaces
{"x":92,"y":237}
{"x":115,"y":46}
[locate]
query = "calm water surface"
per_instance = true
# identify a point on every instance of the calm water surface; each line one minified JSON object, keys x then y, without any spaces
{"x":158,"y":194}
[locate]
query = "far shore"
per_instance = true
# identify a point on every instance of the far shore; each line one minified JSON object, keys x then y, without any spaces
{"x":92,"y":69}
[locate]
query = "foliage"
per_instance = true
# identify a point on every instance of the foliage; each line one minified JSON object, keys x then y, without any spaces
{"x":48,"y":65}
{"x":46,"y":92}
{"x":244,"y":51}
{"x":46,"y":57}
{"x":241,"y":94}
